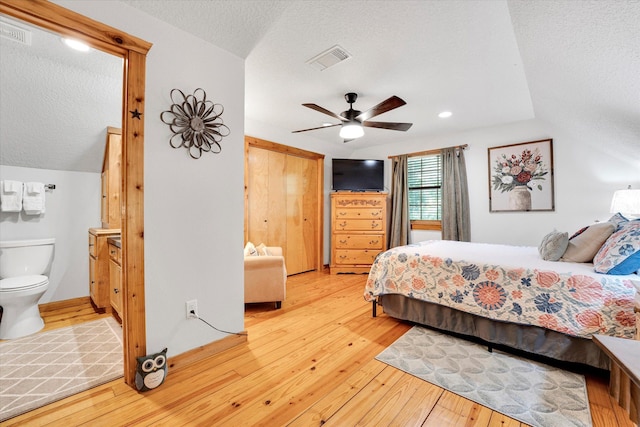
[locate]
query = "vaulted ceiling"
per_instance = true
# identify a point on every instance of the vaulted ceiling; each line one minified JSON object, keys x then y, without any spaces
{"x":575,"y":65}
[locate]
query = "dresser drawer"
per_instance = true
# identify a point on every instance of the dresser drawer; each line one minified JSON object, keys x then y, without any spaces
{"x":355,"y":256}
{"x":359,"y":213}
{"x":92,"y":244}
{"x":358,"y":225}
{"x":360,"y":200}
{"x":359,"y":241}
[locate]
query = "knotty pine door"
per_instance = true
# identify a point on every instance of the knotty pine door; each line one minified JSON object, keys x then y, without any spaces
{"x":282,"y":205}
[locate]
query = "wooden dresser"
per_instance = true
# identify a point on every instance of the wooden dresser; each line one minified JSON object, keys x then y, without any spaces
{"x":358,"y":230}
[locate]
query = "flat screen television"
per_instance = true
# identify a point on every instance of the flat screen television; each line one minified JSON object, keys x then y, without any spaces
{"x":357,"y":175}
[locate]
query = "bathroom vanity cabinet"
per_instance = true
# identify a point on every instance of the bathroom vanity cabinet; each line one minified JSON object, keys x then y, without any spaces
{"x":99,"y":266}
{"x":115,"y":276}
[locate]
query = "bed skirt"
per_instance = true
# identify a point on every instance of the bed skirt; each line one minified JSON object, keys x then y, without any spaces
{"x":530,"y":339}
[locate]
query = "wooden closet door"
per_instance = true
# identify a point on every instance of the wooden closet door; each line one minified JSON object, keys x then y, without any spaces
{"x":266,"y":197}
{"x":302,"y":208}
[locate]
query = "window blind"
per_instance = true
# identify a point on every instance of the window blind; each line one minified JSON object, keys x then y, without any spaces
{"x":424,"y":176}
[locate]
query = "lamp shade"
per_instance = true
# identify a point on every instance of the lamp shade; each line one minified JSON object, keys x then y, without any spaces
{"x":626,"y":202}
{"x":351,"y":130}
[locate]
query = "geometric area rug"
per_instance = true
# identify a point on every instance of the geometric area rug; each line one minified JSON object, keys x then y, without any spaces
{"x":528,"y":391}
{"x":44,"y":367}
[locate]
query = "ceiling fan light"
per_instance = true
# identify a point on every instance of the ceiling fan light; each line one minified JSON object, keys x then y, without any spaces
{"x":351,"y":130}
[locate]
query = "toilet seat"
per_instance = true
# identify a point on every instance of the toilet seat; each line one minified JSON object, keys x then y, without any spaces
{"x":22,"y":283}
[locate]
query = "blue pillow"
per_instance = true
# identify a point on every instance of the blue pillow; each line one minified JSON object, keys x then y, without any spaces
{"x":620,"y":254}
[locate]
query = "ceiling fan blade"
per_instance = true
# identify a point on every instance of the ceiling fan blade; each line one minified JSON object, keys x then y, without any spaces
{"x":325,"y":111}
{"x":386,"y":105}
{"x":319,"y":127}
{"x":388,"y":125}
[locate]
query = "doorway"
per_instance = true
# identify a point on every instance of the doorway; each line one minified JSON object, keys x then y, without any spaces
{"x":59,"y":20}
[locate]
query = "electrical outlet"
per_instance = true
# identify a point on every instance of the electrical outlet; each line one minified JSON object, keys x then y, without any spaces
{"x":192,"y":306}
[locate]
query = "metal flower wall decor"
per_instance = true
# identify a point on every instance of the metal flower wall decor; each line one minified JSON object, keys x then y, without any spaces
{"x":195,"y":122}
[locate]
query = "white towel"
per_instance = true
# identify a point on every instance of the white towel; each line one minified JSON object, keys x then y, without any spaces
{"x":33,"y":198}
{"x":10,"y":196}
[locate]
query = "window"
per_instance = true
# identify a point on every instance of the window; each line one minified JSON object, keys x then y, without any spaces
{"x":424,"y":176}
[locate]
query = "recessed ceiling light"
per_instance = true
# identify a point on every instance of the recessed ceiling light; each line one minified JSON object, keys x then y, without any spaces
{"x":445,"y":114}
{"x":76,"y":45}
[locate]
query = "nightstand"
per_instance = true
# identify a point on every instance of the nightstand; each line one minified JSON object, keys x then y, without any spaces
{"x":624,"y":384}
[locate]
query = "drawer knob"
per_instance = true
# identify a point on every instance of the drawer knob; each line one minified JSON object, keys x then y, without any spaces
{"x":374,"y":224}
{"x":343,"y":224}
{"x":342,"y":213}
{"x":342,"y":257}
{"x":373,"y":242}
{"x":343,"y":241}
{"x":116,"y":290}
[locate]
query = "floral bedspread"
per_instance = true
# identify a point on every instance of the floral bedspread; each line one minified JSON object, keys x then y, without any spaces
{"x":577,"y":304}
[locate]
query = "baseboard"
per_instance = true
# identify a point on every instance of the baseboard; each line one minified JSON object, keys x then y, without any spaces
{"x":199,"y":353}
{"x":67,"y":303}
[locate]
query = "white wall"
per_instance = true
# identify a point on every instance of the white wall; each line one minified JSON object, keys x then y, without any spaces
{"x":585,"y":179}
{"x":194,"y":209}
{"x":71,"y":209}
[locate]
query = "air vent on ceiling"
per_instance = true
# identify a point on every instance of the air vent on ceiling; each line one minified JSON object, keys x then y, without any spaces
{"x":14,"y":33}
{"x":329,"y":58}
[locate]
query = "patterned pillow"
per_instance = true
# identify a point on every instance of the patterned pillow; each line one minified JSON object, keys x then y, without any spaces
{"x":620,"y":254}
{"x":553,"y":245}
{"x":618,"y":220}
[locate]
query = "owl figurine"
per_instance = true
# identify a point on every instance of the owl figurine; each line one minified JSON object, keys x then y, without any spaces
{"x":151,"y":371}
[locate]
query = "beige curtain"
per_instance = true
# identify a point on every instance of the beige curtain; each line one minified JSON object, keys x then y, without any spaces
{"x":399,"y":233}
{"x":455,"y":196}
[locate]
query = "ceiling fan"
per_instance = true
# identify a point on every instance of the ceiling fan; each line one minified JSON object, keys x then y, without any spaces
{"x":352,"y":120}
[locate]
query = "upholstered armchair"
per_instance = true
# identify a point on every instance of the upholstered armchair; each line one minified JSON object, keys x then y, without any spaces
{"x":265,"y":277}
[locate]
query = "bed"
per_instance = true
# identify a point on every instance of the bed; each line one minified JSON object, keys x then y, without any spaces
{"x":506,"y":295}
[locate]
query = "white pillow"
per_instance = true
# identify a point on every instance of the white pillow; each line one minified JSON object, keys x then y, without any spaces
{"x":262,"y":250}
{"x":250,"y":249}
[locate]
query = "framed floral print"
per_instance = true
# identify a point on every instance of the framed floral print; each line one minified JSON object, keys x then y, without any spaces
{"x":521,"y":177}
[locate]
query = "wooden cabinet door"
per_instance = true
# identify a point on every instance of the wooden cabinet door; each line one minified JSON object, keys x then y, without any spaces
{"x":94,"y":291}
{"x":115,"y":294}
{"x":115,"y":156}
{"x":302,"y":206}
{"x":104,"y":202}
{"x":283,"y":200}
{"x":266,"y":197}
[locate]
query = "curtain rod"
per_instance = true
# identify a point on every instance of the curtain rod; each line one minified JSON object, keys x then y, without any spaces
{"x":426,"y":153}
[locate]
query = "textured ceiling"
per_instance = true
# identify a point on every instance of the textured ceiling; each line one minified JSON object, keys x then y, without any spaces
{"x":583,"y":69}
{"x":574,"y":64}
{"x":56,"y":103}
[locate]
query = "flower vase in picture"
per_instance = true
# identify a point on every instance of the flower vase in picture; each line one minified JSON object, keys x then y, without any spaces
{"x":520,"y":199}
{"x":521,"y":177}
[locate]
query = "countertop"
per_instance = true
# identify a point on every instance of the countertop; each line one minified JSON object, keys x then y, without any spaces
{"x":115,"y":241}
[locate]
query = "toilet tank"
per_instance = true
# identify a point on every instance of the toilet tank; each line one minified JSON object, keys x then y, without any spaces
{"x":26,"y":257}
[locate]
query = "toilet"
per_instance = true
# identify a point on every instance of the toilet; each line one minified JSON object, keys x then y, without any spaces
{"x":23,"y":265}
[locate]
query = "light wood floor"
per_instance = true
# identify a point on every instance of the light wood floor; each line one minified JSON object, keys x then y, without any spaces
{"x":309,"y":364}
